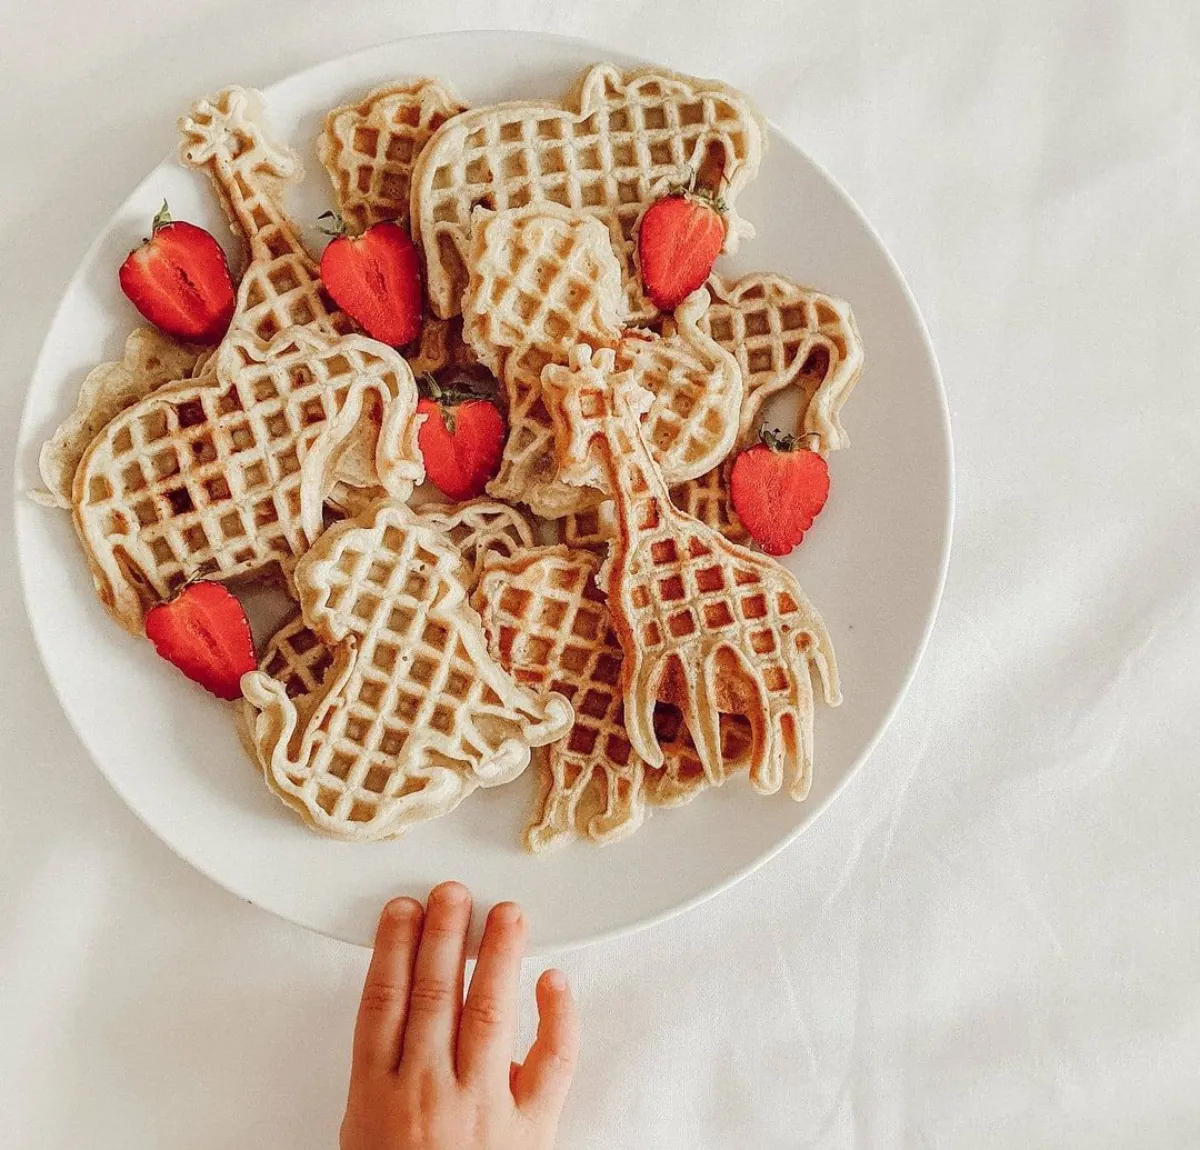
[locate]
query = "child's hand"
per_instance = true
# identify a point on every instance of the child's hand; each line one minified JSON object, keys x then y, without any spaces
{"x":431,"y":1072}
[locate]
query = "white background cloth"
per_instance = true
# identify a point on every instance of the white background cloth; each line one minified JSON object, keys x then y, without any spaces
{"x":992,"y":939}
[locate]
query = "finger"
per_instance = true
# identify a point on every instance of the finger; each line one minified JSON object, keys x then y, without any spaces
{"x":436,"y":996}
{"x":543,"y":1081}
{"x":380,"y":1022}
{"x":489,"y":1015}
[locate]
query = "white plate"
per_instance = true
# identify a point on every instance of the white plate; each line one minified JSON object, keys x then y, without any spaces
{"x":873,"y":564}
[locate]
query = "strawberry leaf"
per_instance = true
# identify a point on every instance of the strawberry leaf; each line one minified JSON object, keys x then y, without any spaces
{"x":161,"y":218}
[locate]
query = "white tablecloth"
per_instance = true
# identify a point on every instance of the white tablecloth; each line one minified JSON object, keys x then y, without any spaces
{"x":993,"y":937}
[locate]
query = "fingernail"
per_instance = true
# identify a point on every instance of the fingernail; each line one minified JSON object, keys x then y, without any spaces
{"x":506,"y":913}
{"x":555,"y":979}
{"x":450,"y":892}
{"x":402,"y":909}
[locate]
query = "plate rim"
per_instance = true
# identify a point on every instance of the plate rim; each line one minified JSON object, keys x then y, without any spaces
{"x":24,"y":443}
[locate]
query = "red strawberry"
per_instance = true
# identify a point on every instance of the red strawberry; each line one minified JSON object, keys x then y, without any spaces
{"x":778,"y":489}
{"x":375,"y":279}
{"x":204,"y":632}
{"x":179,"y":280}
{"x":680,"y":237}
{"x":462,"y":438}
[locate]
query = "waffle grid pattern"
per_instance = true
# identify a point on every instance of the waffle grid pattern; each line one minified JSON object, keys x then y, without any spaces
{"x":705,"y":498}
{"x":697,"y":390}
{"x":420,"y":715}
{"x":299,"y":660}
{"x":281,"y":287}
{"x":369,"y":149}
{"x":548,"y":623}
{"x":543,"y":279}
{"x":295,"y":655}
{"x":214,"y":479}
{"x":783,"y":334}
{"x":149,"y":360}
{"x":705,"y":625}
{"x":608,"y":156}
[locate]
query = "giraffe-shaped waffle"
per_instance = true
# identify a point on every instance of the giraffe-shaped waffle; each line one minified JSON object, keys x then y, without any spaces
{"x":226,"y":475}
{"x":413,"y":713}
{"x":706,"y":625}
{"x":224,"y":137}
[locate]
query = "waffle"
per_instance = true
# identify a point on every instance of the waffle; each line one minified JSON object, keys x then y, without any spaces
{"x":369,"y":148}
{"x":225,"y":477}
{"x":547,"y":623}
{"x":412,"y":714}
{"x":697,"y":392}
{"x":480,"y":529}
{"x":615,"y":144}
{"x":438,"y":351}
{"x":682,"y":776}
{"x":706,"y":625}
{"x":297,"y":658}
{"x":785,"y":335}
{"x":224,"y":137}
{"x":782,"y":335}
{"x":706,"y":498}
{"x":543,"y":278}
{"x":149,"y":360}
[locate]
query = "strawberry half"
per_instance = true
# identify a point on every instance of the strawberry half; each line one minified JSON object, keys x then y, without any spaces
{"x":680,"y":238}
{"x":778,"y":489}
{"x":204,"y":632}
{"x":179,"y":280}
{"x":375,"y":279}
{"x":461,"y":439}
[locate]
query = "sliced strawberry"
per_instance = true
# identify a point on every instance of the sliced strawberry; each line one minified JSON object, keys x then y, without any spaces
{"x":204,"y":632}
{"x":375,"y":279}
{"x":680,"y":238}
{"x":778,"y":489}
{"x":179,"y":280}
{"x":461,"y":439}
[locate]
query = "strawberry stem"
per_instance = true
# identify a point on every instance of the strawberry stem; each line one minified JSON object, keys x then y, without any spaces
{"x":462,"y":389}
{"x":777,"y":440}
{"x":337,"y":226}
{"x":687,"y":188}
